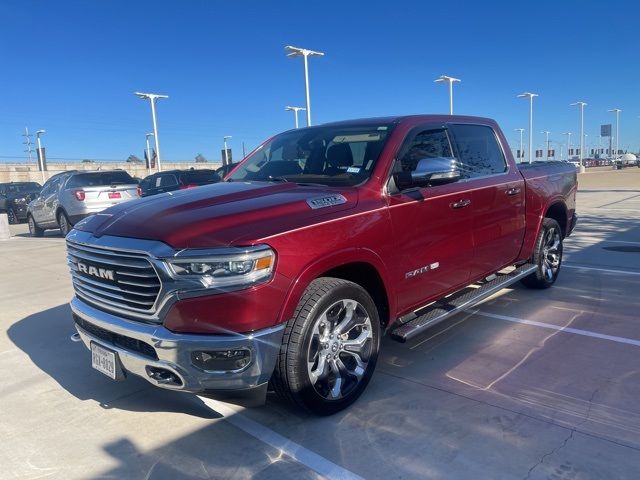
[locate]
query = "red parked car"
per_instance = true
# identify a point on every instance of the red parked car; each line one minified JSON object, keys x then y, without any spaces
{"x":323,"y":239}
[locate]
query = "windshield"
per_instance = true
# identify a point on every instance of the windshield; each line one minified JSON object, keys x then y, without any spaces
{"x":98,"y":179}
{"x":328,"y":155}
{"x":21,"y":187}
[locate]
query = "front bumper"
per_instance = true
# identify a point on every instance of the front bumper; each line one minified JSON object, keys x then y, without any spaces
{"x":171,"y":352}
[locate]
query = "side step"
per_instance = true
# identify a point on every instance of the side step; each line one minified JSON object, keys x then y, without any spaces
{"x":456,"y":303}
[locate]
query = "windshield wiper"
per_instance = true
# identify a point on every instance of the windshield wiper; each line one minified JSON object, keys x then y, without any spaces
{"x":271,"y":178}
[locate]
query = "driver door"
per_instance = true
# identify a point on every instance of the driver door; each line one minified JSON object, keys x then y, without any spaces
{"x":432,"y":225}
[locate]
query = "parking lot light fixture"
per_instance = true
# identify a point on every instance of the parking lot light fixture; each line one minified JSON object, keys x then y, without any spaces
{"x":305,"y":54}
{"x":146,"y":137}
{"x":617,"y":112}
{"x":581,"y":104}
{"x":450,"y":81}
{"x":152,"y":97}
{"x":547,"y":132}
{"x":226,"y":156}
{"x":530,"y":96}
{"x":295,"y":111}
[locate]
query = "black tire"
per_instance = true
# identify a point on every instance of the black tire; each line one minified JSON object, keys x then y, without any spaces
{"x":547,"y":256}
{"x":34,"y":229}
{"x":325,"y":305}
{"x":64,"y":223}
{"x":13,"y":219}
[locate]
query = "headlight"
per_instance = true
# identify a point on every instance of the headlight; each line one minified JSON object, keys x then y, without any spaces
{"x":224,"y":270}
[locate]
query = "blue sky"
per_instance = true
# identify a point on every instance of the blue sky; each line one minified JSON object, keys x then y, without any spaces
{"x":70,"y":67}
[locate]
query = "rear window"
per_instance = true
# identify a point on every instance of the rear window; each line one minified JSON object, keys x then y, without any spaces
{"x":20,"y":187}
{"x":97,"y":179}
{"x":199,"y":177}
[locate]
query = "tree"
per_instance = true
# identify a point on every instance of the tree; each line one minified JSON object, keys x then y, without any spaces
{"x":200,"y":158}
{"x":134,"y":159}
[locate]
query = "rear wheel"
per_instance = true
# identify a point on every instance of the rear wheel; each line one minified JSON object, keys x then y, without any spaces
{"x":34,"y":229}
{"x":547,"y":256}
{"x":64,"y":224}
{"x":330,"y":347}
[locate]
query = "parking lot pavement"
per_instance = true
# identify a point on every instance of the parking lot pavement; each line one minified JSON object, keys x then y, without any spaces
{"x":531,"y":384}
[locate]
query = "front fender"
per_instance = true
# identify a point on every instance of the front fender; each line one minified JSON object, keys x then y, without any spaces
{"x":337,"y":259}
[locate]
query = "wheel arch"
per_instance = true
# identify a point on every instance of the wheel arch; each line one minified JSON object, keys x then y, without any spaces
{"x":360,"y":266}
{"x":558,"y":211}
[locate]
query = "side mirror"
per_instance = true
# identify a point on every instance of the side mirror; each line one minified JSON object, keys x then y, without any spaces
{"x":430,"y":171}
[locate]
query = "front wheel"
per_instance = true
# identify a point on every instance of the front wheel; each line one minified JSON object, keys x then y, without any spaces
{"x":330,"y":347}
{"x":547,"y":256}
{"x":13,"y":218}
{"x":34,"y":229}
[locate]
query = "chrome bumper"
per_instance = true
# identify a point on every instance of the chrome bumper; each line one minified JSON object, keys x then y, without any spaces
{"x":174,"y":352}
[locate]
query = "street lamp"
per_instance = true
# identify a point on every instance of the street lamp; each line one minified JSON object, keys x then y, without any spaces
{"x":450,"y":81}
{"x":586,"y":145}
{"x":295,"y":111}
{"x":530,"y":96}
{"x":305,"y":54}
{"x":152,"y":97}
{"x":40,"y":153}
{"x":568,"y":134}
{"x":146,"y":137}
{"x":226,"y":156}
{"x":547,"y":132}
{"x":521,"y":130}
{"x":617,"y":112}
{"x":581,"y":104}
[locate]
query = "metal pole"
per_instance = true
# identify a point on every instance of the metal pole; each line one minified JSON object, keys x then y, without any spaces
{"x":295,"y":115}
{"x":226,"y":161}
{"x":547,"y":145}
{"x":617,"y":131}
{"x":530,"y":128}
{"x":521,"y":130}
{"x":450,"y":97}
{"x":155,"y":131}
{"x":148,"y":153}
{"x":40,"y":159}
{"x":581,"y":133}
{"x":306,"y":89}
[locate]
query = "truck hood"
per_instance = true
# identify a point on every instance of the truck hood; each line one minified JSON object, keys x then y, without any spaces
{"x":221,"y":214}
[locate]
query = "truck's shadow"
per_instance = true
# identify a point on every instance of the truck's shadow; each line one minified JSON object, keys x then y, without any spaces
{"x":44,"y":336}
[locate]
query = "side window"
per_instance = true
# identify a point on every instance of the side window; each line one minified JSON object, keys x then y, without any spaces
{"x":425,"y":144}
{"x":478,"y":150}
{"x":168,"y":180}
{"x":50,"y":187}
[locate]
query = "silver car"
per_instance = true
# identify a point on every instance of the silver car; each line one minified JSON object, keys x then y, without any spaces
{"x":68,"y":197}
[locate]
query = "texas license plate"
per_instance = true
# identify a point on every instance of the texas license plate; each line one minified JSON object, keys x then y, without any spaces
{"x":104,"y":360}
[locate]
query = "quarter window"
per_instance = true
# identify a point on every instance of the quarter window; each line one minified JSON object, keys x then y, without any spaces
{"x":478,"y":150}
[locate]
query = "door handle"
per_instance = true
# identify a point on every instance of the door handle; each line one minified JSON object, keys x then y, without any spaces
{"x":460,"y":204}
{"x":513,"y":191}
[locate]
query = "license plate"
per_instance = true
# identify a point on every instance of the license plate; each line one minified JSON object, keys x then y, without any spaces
{"x":103,"y":360}
{"x":114,"y":195}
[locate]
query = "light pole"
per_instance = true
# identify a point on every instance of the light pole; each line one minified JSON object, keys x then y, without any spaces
{"x":224,"y":140}
{"x":547,"y":132}
{"x":617,"y":112}
{"x":530,"y":96}
{"x":295,"y":111}
{"x":450,"y":81}
{"x":568,"y":134}
{"x":40,"y":152}
{"x":521,"y":130}
{"x":305,"y":54}
{"x":586,"y":146}
{"x":152,"y":97}
{"x":581,"y":104}
{"x":146,"y":137}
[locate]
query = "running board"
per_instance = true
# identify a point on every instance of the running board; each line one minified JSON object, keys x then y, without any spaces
{"x":456,"y":303}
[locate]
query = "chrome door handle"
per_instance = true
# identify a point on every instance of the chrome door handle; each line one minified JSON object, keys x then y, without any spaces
{"x":513,"y":191}
{"x":460,"y":204}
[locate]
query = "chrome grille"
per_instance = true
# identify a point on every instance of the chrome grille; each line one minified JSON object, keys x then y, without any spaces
{"x":134,"y":288}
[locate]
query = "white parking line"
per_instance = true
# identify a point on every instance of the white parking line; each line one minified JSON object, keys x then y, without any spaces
{"x":601,"y":240}
{"x":288,"y":447}
{"x":576,"y":331}
{"x":604,"y":270}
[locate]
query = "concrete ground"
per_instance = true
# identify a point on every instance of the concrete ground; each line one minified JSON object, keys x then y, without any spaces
{"x":531,"y":385}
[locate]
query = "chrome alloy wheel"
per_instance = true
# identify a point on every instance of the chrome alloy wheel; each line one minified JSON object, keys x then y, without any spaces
{"x":551,"y":253}
{"x":339,"y":349}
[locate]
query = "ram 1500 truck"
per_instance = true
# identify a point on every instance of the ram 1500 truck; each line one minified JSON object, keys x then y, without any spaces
{"x":323,"y":239}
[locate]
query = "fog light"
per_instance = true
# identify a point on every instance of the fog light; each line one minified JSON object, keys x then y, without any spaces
{"x":221,"y":360}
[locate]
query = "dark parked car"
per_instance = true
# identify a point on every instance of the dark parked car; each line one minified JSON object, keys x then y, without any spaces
{"x":14,"y":198}
{"x":171,"y":180}
{"x":224,"y":170}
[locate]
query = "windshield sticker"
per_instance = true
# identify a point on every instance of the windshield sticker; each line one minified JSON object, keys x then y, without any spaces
{"x":353,"y":170}
{"x":326,"y":201}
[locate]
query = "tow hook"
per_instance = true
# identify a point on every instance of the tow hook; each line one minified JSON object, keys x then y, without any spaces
{"x":75,"y":337}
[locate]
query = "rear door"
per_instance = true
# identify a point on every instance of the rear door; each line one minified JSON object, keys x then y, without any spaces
{"x":431,"y":225}
{"x":498,"y":198}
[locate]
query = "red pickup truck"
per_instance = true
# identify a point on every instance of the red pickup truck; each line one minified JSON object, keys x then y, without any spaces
{"x":287,"y":274}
